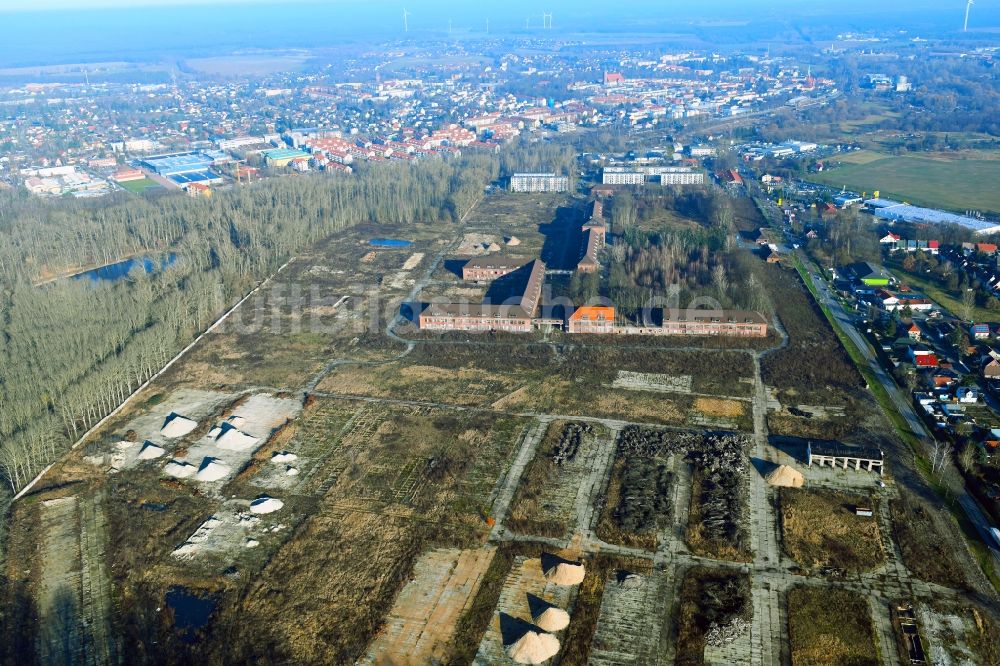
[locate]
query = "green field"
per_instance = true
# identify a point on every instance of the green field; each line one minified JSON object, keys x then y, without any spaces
{"x":954,"y":184}
{"x":139,"y":186}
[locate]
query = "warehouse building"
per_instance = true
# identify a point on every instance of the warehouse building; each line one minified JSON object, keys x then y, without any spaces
{"x":282,"y":157}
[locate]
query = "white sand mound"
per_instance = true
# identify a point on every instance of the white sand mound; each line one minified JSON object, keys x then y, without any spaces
{"x":234,"y":439}
{"x":212,"y":469}
{"x":177,"y":426}
{"x":251,"y":543}
{"x":562,"y":572}
{"x":553,"y":619}
{"x":631,"y":581}
{"x":150,"y":451}
{"x":179,"y":469}
{"x":785,"y":476}
{"x":265,"y":505}
{"x":533,"y":648}
{"x":292,"y":471}
{"x":236,"y":421}
{"x":283,"y":457}
{"x":214,"y":432}
{"x":513,"y":240}
{"x":492,"y":247}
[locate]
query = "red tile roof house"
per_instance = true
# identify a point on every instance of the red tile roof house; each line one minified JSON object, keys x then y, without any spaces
{"x":925,"y":361}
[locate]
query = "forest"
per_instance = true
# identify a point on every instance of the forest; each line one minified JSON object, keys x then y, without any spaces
{"x":72,"y":350}
{"x":680,"y":263}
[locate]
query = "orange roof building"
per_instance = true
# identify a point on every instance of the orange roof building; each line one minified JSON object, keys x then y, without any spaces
{"x":592,"y":319}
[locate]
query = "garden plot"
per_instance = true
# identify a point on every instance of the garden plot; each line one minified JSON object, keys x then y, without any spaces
{"x":229,"y":445}
{"x":650,"y":381}
{"x":231,"y":529}
{"x":630,"y":619}
{"x":146,"y":432}
{"x":525,"y":578}
{"x":424,"y":616}
{"x":545,"y":503}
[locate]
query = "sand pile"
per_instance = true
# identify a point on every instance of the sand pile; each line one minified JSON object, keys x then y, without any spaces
{"x":179,"y":469}
{"x":560,"y":571}
{"x":291,"y":471}
{"x":177,"y":426}
{"x":236,"y":421}
{"x":513,"y":240}
{"x":785,"y":476}
{"x":492,"y":247}
{"x":265,"y":505}
{"x":150,"y":451}
{"x":234,"y":439}
{"x":533,"y":647}
{"x":212,"y":469}
{"x":547,"y":615}
{"x":283,"y":457}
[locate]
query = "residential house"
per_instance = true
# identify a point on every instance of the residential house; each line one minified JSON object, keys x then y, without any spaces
{"x":913,"y":332}
{"x":979,"y":331}
{"x":967,"y":394}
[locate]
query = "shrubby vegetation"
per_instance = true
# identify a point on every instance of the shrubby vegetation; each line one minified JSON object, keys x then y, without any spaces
{"x":71,"y":351}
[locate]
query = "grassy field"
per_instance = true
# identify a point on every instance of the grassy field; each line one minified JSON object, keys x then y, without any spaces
{"x":830,"y":626}
{"x":955,"y":184}
{"x":139,"y":186}
{"x":819,"y":528}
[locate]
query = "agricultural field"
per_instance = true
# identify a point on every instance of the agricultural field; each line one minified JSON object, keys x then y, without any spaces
{"x":830,"y":626}
{"x":820,"y":530}
{"x":953,"y":183}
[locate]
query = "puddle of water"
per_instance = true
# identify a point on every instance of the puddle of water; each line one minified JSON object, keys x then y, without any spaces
{"x":191,"y":612}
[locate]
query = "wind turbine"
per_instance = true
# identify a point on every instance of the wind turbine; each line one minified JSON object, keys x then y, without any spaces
{"x":547,"y":20}
{"x":406,"y":23}
{"x":449,"y":26}
{"x":965,"y":26}
{"x":487,"y":26}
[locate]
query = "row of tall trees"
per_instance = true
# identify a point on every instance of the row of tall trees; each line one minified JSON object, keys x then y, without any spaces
{"x":71,"y":351}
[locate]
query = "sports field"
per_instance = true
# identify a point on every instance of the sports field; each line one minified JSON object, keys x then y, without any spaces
{"x":139,"y":186}
{"x":953,"y":184}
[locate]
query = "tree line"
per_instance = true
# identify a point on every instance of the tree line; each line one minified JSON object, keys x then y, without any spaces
{"x":71,"y":351}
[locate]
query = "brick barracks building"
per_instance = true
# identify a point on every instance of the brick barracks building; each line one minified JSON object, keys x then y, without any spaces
{"x":487,"y":269}
{"x":593,"y":238}
{"x":511,"y":318}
